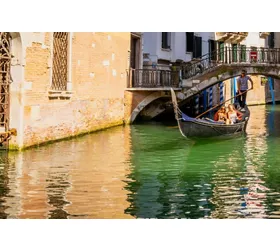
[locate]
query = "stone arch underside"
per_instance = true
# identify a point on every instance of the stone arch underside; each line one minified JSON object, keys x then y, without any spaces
{"x":146,"y":101}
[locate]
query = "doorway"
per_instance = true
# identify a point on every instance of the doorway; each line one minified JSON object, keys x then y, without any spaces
{"x":135,"y":55}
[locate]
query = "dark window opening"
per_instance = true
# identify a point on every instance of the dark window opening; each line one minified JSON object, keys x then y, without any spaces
{"x":189,"y":41}
{"x":212,"y":49}
{"x":271,"y":40}
{"x":197,"y":47}
{"x":166,"y":40}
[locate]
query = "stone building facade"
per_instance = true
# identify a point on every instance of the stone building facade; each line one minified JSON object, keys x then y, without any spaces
{"x":63,"y":84}
{"x":261,"y":93}
{"x":273,"y":41}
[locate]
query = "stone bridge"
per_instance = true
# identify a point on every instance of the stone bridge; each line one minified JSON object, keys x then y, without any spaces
{"x":222,"y":73}
{"x":196,"y":76}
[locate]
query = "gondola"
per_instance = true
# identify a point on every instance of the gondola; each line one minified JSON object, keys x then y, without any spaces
{"x":206,"y":128}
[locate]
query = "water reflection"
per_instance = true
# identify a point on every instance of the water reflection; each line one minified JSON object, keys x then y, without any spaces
{"x":4,"y":190}
{"x":221,"y":179}
{"x":148,"y":171}
{"x":237,"y":187}
{"x":81,"y":178}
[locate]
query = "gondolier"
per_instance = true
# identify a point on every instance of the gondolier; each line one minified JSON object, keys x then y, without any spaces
{"x":242,"y":88}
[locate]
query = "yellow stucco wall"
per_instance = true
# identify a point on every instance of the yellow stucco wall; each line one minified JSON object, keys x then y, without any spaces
{"x":99,"y":65}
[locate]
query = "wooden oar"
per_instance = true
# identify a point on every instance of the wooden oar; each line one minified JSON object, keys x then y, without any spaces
{"x":221,"y":104}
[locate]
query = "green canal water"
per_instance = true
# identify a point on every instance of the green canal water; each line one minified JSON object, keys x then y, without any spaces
{"x":148,"y":171}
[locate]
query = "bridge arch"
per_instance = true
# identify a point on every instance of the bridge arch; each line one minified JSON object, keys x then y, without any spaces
{"x":227,"y":72}
{"x":145,"y":102}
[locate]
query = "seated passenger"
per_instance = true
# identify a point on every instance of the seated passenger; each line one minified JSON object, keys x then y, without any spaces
{"x":233,"y":115}
{"x":221,"y":115}
{"x":239,"y":114}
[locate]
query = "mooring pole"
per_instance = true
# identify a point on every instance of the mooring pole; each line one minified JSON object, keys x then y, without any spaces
{"x":271,"y":90}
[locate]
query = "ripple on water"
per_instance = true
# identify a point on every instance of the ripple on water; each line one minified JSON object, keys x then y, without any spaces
{"x":147,"y":171}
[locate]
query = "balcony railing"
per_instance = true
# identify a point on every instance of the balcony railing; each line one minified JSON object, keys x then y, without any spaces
{"x":230,"y":56}
{"x":147,"y":78}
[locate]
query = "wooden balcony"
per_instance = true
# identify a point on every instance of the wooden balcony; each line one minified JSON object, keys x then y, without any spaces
{"x":264,"y":34}
{"x":231,"y":37}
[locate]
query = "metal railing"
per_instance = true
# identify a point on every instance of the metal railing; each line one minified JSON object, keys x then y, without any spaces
{"x":147,"y":78}
{"x":228,"y":56}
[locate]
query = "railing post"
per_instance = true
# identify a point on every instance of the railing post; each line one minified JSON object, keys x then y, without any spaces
{"x":130,"y":78}
{"x":204,"y":100}
{"x":180,"y":78}
{"x":210,"y":97}
{"x":238,"y":50}
{"x":159,"y":76}
{"x":152,"y":77}
{"x":127,"y":78}
{"x":140,"y":76}
{"x":229,"y":56}
{"x":234,"y":88}
{"x":196,"y":106}
{"x":221,"y":85}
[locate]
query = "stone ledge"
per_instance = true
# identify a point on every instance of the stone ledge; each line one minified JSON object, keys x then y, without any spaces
{"x":58,"y":94}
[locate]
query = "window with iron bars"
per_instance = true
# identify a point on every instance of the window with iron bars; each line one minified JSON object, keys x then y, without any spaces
{"x":59,"y":62}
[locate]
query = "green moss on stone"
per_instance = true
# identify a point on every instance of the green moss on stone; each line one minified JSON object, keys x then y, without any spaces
{"x":230,"y":72}
{"x":13,"y":147}
{"x":260,"y":69}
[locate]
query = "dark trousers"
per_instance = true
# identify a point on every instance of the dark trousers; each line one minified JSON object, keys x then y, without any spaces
{"x":242,"y":98}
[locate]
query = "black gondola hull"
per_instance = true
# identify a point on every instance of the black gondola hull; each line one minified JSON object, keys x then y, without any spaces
{"x":200,"y":128}
{"x":195,"y":129}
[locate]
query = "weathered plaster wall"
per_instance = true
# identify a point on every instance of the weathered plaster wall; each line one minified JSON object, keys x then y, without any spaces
{"x":99,"y":64}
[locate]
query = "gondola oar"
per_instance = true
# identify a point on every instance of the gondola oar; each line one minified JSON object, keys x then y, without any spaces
{"x":221,"y":104}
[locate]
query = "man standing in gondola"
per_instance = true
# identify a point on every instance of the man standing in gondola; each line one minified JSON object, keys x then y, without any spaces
{"x":242,"y":87}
